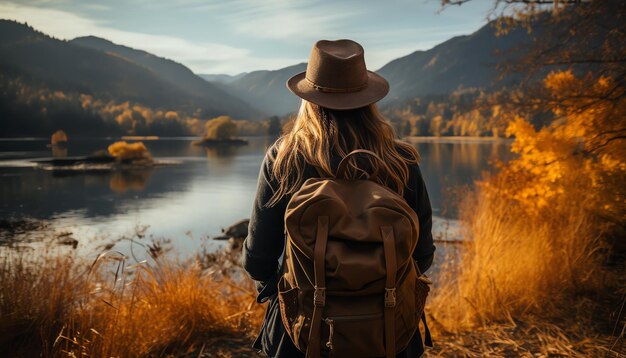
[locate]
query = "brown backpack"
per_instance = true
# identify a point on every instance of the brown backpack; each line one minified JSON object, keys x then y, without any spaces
{"x":350,"y":286}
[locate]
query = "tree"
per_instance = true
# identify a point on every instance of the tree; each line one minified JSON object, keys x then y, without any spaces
{"x":58,"y":137}
{"x":221,"y":128}
{"x":576,"y":76}
{"x":407,"y":129}
{"x":561,"y":199}
{"x":275,"y":127}
{"x":130,"y":151}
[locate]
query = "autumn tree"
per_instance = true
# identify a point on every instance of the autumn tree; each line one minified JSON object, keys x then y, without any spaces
{"x":221,"y":128}
{"x":575,"y":75}
{"x":540,"y":226}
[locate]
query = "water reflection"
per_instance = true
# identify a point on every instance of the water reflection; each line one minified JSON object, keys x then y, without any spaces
{"x":59,"y":150}
{"x":221,"y":150}
{"x":97,"y":194}
{"x":213,"y":187}
{"x":450,"y":165}
{"x":125,"y":180}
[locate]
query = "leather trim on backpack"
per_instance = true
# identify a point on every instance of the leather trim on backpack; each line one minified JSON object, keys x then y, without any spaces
{"x":288,"y":301}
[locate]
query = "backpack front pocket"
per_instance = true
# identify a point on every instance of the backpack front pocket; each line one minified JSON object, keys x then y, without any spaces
{"x":288,"y":301}
{"x":361,"y":335}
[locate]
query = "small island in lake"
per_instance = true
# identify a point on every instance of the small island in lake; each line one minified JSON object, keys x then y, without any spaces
{"x":118,"y":156}
{"x":221,"y":131}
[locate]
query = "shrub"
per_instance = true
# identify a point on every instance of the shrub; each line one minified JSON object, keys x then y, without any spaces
{"x":221,"y":128}
{"x":131,"y":151}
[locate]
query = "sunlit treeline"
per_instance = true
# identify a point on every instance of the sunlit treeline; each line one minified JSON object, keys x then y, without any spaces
{"x":29,"y":110}
{"x":454,"y":115}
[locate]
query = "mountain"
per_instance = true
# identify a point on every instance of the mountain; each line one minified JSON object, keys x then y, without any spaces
{"x":106,"y":70}
{"x":173,"y":72}
{"x":460,"y":62}
{"x":222,"y":78}
{"x":266,"y":90}
{"x":119,"y":73}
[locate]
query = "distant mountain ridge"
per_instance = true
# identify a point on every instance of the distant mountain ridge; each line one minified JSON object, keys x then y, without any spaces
{"x":266,"y":90}
{"x":467,"y":61}
{"x":100,"y":68}
{"x":221,"y":78}
{"x":172,"y":72}
{"x":96,"y":66}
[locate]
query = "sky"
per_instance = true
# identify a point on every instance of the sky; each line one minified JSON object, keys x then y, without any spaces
{"x":234,"y":36}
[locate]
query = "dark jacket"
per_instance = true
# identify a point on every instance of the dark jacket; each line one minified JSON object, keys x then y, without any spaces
{"x":265,"y":244}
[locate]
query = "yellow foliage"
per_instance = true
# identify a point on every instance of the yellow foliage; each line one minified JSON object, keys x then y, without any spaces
{"x":171,"y":116}
{"x":534,"y":229}
{"x":577,"y":153}
{"x":123,"y":150}
{"x":221,"y":128}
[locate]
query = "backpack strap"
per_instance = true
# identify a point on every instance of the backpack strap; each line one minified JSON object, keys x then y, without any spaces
{"x":391,"y":266}
{"x":319,"y":297}
{"x":428,"y":340}
{"x":341,"y":169}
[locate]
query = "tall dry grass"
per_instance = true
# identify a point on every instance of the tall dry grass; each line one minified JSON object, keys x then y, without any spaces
{"x":517,"y":262}
{"x":539,"y":231}
{"x":64,"y":306}
{"x":527,"y":283}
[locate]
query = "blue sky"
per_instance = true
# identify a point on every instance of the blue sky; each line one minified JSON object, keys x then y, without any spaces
{"x":233,"y":36}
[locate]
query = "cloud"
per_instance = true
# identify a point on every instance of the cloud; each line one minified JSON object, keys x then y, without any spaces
{"x":281,"y":19}
{"x":201,"y":57}
{"x":248,"y":35}
{"x":96,"y":7}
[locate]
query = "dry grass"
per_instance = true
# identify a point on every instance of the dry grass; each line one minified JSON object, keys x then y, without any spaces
{"x":536,"y":338}
{"x":526,"y":284}
{"x":62,"y":306}
{"x":520,"y":277}
{"x":514,"y":262}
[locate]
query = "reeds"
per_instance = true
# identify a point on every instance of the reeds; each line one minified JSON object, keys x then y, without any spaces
{"x":62,"y":306}
{"x":524,"y":270}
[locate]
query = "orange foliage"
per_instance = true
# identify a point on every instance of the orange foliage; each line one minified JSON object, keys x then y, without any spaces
{"x":59,"y":137}
{"x":535,"y":228}
{"x":578,"y":151}
{"x":123,"y":150}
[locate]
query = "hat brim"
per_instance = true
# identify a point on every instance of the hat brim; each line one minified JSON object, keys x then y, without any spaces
{"x":377,"y":88}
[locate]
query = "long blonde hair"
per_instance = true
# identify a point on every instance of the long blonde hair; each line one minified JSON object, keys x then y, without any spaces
{"x":319,"y":132}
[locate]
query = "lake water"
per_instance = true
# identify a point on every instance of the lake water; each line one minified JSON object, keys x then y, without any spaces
{"x":209,"y":188}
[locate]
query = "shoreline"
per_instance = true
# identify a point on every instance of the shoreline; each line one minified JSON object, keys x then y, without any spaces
{"x":458,"y":139}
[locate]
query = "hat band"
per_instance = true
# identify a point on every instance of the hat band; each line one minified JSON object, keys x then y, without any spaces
{"x":334,"y":89}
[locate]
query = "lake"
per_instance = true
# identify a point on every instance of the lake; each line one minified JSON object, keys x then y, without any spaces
{"x":208,"y":189}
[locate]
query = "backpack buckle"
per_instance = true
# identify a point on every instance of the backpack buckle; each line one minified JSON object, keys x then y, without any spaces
{"x":319,"y":296}
{"x":390,"y":297}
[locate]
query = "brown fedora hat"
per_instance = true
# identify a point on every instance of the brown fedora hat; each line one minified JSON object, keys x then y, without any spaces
{"x":336,"y":77}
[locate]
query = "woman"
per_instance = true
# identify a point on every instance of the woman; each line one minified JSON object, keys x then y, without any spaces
{"x":338,"y":115}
